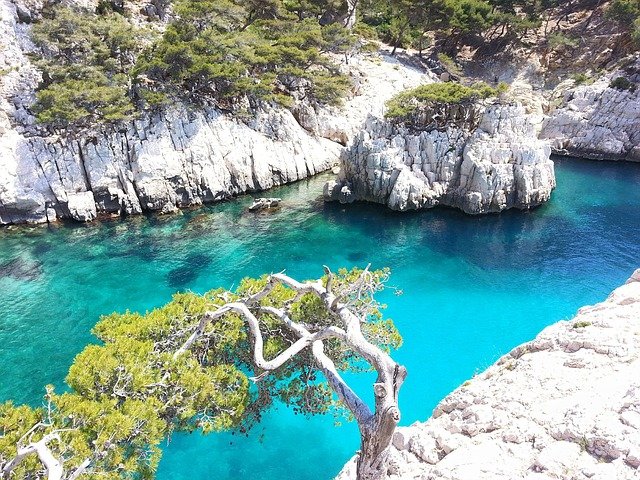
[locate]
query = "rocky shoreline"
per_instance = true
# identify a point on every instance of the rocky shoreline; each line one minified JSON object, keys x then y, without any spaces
{"x":597,"y":121}
{"x":564,"y":406}
{"x":186,"y":156}
{"x":181,"y":157}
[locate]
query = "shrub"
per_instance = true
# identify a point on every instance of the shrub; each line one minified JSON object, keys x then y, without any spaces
{"x":558,"y":39}
{"x":450,"y":64}
{"x":627,"y":14}
{"x":622,"y":83}
{"x":580,"y":78}
{"x":85,"y":65}
{"x":99,"y":68}
{"x":624,"y":12}
{"x":407,"y":102}
{"x":581,"y":324}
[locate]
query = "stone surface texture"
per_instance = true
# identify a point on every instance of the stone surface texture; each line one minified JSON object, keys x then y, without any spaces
{"x":597,"y":121}
{"x":178,"y":158}
{"x":480,"y":166}
{"x":563,"y":406}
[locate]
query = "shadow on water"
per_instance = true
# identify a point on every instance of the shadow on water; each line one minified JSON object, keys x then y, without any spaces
{"x":188,"y":271}
{"x":509,"y":239}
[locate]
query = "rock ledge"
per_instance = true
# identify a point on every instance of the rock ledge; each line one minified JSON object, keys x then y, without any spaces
{"x":563,"y":406}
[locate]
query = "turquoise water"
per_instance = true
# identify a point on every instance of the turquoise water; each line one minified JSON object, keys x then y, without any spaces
{"x":473,"y":289}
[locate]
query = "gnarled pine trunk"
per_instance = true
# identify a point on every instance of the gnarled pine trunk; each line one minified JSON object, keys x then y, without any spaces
{"x":376,"y":434}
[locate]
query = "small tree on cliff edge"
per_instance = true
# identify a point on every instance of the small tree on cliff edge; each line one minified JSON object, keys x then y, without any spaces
{"x":182,"y":367}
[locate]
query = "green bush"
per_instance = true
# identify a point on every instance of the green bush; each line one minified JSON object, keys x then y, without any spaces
{"x":450,"y":64}
{"x":85,"y":63}
{"x":581,"y":324}
{"x":627,"y":14}
{"x":622,"y":83}
{"x":408,"y":102}
{"x":557,"y":39}
{"x":99,"y":68}
{"x":624,"y":12}
{"x":580,"y":78}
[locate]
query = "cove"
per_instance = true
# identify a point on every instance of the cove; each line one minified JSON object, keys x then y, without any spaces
{"x":473,"y":288}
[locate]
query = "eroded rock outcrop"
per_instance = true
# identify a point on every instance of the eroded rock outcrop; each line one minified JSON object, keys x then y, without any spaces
{"x":482,"y":159}
{"x":563,"y":406}
{"x":181,"y":157}
{"x":598,"y":121}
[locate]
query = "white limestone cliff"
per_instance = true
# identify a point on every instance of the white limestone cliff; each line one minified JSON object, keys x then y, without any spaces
{"x":564,"y":406}
{"x":597,"y":121}
{"x":180,"y":157}
{"x":488,"y":163}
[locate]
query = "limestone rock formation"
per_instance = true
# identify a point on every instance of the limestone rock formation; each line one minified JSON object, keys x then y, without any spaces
{"x":180,"y":157}
{"x":597,"y":121}
{"x":488,"y":162}
{"x":563,"y":406}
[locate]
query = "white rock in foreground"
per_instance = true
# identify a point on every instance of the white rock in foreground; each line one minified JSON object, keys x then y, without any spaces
{"x":480,"y":166}
{"x":564,"y":406}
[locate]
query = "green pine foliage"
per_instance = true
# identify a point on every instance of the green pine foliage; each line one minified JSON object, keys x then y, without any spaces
{"x":130,"y":392}
{"x":408,"y":102}
{"x":627,"y":14}
{"x":100,"y":68}
{"x":86,"y":58}
{"x":403,"y":23}
{"x":227,"y":54}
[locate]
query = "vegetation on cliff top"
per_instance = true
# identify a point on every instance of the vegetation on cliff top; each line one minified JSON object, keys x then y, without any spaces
{"x":627,"y":14}
{"x":106,"y":66}
{"x":100,"y":67}
{"x":406,"y":103}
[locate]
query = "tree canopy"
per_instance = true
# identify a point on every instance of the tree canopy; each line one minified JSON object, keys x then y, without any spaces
{"x":106,"y":66}
{"x":101,"y":67}
{"x":187,"y":366}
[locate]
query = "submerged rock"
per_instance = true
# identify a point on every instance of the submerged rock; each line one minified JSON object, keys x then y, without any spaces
{"x":565,"y":406}
{"x":264,"y":203}
{"x":21,"y":269}
{"x":488,"y":161}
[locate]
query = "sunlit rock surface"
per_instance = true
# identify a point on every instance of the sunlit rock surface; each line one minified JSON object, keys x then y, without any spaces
{"x":177,"y":158}
{"x":563,"y":406}
{"x":487,"y":159}
{"x":598,"y":121}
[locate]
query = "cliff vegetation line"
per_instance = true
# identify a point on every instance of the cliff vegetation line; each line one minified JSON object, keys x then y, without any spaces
{"x":109,"y":63}
{"x":106,"y":65}
{"x":406,"y":103}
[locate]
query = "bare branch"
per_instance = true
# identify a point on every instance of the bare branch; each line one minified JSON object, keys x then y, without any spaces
{"x":327,"y":271}
{"x":376,"y":428}
{"x":352,"y":401}
{"x":52,"y":465}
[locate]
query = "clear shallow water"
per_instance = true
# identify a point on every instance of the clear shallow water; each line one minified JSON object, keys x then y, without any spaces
{"x":473,"y":289}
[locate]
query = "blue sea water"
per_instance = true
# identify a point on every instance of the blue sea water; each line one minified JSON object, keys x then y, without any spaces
{"x":474,"y":287}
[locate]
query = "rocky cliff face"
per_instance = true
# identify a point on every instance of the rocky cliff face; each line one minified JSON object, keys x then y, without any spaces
{"x":597,"y":121}
{"x":489,"y":161}
{"x":564,"y":406}
{"x":176,"y":158}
